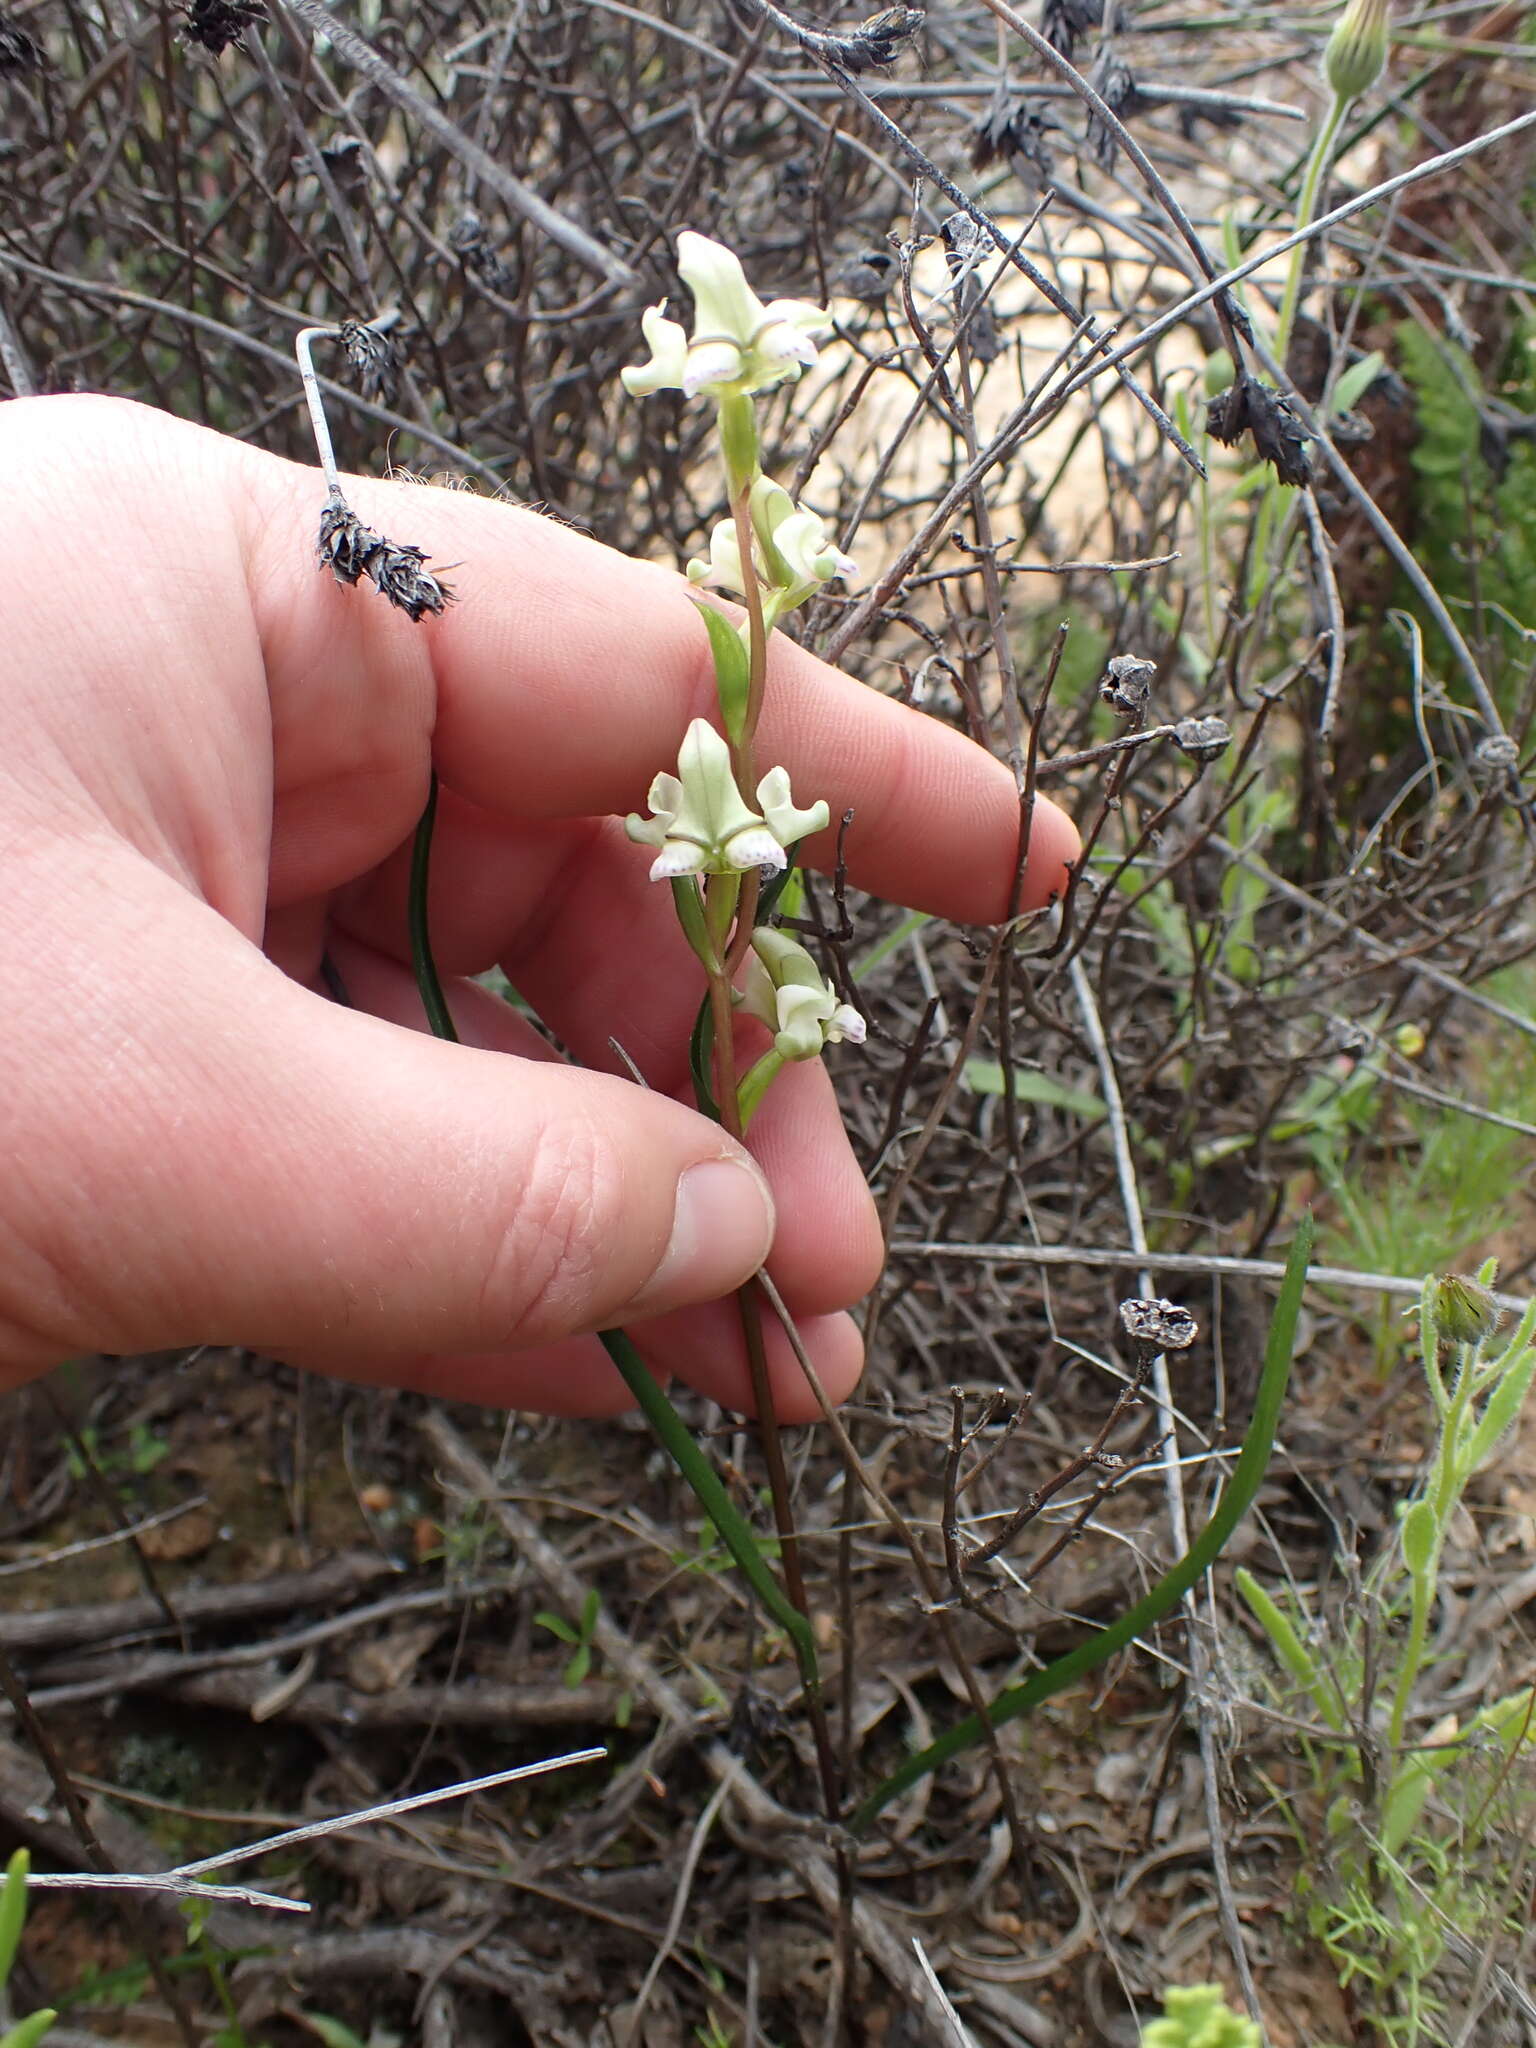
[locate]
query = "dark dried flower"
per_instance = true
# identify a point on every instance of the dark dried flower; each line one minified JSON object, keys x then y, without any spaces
{"x":374,"y":356}
{"x":1257,"y":408}
{"x":215,"y":24}
{"x":876,"y":42}
{"x":1203,"y":739}
{"x":468,"y":241}
{"x":1010,"y":133}
{"x":1127,"y":684}
{"x":1111,"y":79}
{"x":756,"y":1720}
{"x":351,"y":550}
{"x":1063,"y":21}
{"x":1155,"y":1326}
{"x":347,"y":164}
{"x":867,"y":276}
{"x":19,"y":51}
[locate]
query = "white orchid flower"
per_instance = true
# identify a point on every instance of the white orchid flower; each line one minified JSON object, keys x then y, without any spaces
{"x":796,"y":554}
{"x":738,"y":345}
{"x":700,"y":823}
{"x":784,"y":990}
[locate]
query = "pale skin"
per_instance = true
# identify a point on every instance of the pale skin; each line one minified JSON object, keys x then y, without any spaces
{"x":214,"y":760}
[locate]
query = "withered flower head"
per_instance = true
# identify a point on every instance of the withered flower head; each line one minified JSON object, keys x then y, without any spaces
{"x":19,"y":51}
{"x":351,"y":550}
{"x":1160,"y":1325}
{"x":215,"y":24}
{"x":1127,"y":683}
{"x":1010,"y":133}
{"x":1111,"y":79}
{"x":1257,"y":408}
{"x":1202,"y":739}
{"x":469,"y":242}
{"x":374,"y":356}
{"x":878,"y":41}
{"x":345,"y":161}
{"x":1063,"y":21}
{"x":867,"y":276}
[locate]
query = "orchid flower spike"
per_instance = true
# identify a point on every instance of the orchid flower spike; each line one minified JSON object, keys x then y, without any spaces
{"x":796,"y":555}
{"x":738,"y":344}
{"x":785,"y":990}
{"x":701,"y":824}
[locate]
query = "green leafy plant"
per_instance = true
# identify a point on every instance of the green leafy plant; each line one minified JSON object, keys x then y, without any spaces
{"x":141,"y":1453}
{"x":1198,"y":2016}
{"x":578,"y":1634}
{"x":13,"y":1915}
{"x":1405,"y":1819}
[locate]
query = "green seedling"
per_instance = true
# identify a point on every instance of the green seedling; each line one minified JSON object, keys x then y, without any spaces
{"x":578,"y":1635}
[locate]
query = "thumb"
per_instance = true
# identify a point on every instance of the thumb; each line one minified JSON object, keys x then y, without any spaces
{"x":257,"y":1165}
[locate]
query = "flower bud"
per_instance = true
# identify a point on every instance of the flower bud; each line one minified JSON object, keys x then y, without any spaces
{"x":1464,"y":1311}
{"x":1356,"y":52}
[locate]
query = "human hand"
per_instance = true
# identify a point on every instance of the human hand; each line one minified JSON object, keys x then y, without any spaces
{"x":216,"y":761}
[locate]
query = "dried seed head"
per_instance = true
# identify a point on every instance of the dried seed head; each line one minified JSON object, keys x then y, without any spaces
{"x":351,"y":550}
{"x":1465,"y":1311}
{"x":867,"y":276}
{"x":1127,"y":684}
{"x":1160,"y":1325}
{"x":877,"y":42}
{"x":1111,"y":79}
{"x":1203,"y":739}
{"x":347,"y":164}
{"x":1257,"y":408}
{"x":1063,"y":21}
{"x":1010,"y":133}
{"x":469,"y":242}
{"x":215,"y":24}
{"x":19,"y":52}
{"x":1495,"y":755}
{"x":374,"y":356}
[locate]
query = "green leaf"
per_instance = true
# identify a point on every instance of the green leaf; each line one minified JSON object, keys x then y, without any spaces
{"x":13,"y":1911}
{"x":1236,"y":1499}
{"x":1289,"y":1648}
{"x":735,"y":1531}
{"x":334,"y":2033}
{"x":1419,"y":1534}
{"x":576,"y":1671}
{"x":30,"y":2030}
{"x":882,"y":949}
{"x":557,"y":1626}
{"x":701,"y":1049}
{"x":985,"y":1077}
{"x":1357,"y":380}
{"x":732,"y":669}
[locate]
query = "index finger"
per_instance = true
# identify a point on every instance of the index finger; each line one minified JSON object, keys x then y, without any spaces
{"x":567,"y":674}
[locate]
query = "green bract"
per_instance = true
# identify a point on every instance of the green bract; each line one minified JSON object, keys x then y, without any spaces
{"x":738,"y":344}
{"x":702,"y":824}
